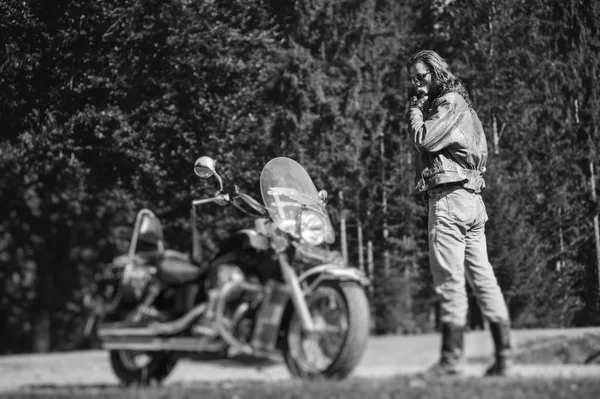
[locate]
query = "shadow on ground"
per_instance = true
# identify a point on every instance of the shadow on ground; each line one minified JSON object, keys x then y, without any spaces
{"x":560,"y":350}
{"x":236,"y":361}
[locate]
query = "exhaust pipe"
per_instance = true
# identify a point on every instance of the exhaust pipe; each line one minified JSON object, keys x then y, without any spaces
{"x":149,"y":344}
{"x":153,"y":330}
{"x":199,"y":346}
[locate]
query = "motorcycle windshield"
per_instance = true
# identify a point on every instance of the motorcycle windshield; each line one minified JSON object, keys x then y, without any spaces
{"x":287,"y":191}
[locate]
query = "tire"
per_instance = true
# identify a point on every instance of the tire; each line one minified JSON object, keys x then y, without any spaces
{"x":159,"y":366}
{"x":352,"y":344}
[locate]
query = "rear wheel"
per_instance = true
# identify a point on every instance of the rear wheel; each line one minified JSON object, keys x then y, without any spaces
{"x":141,"y":368}
{"x":340,"y":312}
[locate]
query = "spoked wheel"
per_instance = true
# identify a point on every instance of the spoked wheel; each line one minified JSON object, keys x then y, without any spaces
{"x":141,"y":368}
{"x":340,"y":313}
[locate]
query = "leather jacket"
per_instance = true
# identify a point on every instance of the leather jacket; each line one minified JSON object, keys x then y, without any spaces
{"x":450,"y":141}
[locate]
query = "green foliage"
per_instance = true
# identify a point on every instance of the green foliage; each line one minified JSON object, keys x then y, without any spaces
{"x":107,"y":104}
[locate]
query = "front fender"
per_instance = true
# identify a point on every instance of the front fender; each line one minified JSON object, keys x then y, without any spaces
{"x":310,"y":280}
{"x":333,"y":272}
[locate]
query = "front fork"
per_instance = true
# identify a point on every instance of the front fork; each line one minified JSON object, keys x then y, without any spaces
{"x":297,"y":295}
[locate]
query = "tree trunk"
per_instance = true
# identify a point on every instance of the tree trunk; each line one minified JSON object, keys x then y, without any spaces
{"x":370,"y":263}
{"x":41,"y":314}
{"x":343,"y":237}
{"x":596,"y":227}
{"x":359,"y":237}
{"x":385,"y":229}
{"x":371,"y":275}
{"x":496,"y":136}
{"x":386,"y":251}
{"x":41,"y":331}
{"x":361,"y":255}
{"x":594,"y":199}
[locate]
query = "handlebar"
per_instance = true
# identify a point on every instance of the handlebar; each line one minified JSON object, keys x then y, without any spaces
{"x":257,"y":206}
{"x":227,"y":196}
{"x":217,"y":198}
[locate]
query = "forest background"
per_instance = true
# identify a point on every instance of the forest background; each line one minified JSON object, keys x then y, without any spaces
{"x":106,"y":104}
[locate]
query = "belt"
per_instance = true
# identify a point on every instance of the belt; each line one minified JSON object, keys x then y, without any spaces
{"x":456,"y":184}
{"x":449,"y":184}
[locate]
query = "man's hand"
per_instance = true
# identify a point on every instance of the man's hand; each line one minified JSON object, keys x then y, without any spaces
{"x":418,"y":102}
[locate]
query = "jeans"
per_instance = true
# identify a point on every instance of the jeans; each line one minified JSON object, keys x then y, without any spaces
{"x":457,"y":248}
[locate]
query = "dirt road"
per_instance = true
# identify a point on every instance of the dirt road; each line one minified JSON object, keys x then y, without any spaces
{"x":385,"y":356}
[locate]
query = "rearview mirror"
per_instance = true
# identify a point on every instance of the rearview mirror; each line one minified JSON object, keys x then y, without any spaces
{"x":323,"y":196}
{"x":204,"y":167}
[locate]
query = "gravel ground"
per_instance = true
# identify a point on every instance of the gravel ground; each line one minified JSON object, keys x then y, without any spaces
{"x":385,"y":356}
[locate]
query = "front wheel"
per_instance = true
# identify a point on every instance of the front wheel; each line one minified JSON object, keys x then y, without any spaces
{"x":141,"y":368}
{"x":340,"y":313}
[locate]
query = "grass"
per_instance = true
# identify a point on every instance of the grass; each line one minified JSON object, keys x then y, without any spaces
{"x":390,"y":388}
{"x":545,"y":351}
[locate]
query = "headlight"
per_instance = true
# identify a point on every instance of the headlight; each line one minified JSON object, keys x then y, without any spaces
{"x":311,"y":228}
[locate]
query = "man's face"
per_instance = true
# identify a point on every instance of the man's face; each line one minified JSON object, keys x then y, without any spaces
{"x":420,"y":77}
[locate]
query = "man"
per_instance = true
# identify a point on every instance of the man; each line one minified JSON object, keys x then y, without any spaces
{"x":451,"y":160}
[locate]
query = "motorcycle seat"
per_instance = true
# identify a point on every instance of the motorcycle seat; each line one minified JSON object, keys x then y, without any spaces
{"x":171,"y":253}
{"x":176,"y":268}
{"x":146,"y":257}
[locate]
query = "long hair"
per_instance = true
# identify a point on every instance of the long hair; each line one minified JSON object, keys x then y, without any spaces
{"x":442,"y":80}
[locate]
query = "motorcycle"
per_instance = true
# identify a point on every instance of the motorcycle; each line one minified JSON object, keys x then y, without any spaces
{"x":274,"y":291}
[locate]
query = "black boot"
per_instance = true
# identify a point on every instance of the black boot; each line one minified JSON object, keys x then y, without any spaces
{"x":503,"y":351}
{"x":452,"y":352}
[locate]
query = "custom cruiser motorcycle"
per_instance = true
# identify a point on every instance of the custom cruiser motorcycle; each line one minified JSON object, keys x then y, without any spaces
{"x":270,"y":292}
